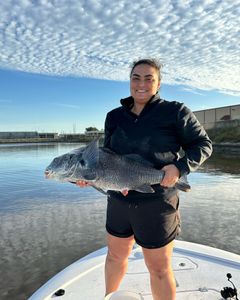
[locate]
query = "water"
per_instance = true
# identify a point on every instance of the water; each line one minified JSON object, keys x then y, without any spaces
{"x":46,"y":225}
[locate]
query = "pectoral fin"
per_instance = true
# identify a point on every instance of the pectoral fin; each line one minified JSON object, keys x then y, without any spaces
{"x":100,"y":190}
{"x":90,"y":155}
{"x":89,"y":175}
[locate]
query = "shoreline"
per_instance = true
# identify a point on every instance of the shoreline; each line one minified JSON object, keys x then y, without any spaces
{"x":44,"y":140}
{"x":227,"y":149}
{"x":224,"y":148}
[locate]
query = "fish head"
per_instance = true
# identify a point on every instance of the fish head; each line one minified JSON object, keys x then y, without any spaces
{"x":64,"y":166}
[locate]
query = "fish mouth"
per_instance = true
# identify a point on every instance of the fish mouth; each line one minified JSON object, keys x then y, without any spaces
{"x":48,"y":174}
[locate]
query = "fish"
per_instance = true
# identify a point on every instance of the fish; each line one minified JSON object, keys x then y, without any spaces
{"x":106,"y":170}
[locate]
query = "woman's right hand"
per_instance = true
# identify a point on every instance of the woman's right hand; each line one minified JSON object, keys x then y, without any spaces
{"x":82,"y":183}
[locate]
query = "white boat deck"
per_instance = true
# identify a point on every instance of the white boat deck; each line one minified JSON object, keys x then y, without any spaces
{"x":200,"y":273}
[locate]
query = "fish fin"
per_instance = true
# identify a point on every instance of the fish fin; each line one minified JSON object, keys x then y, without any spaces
{"x":183,"y":184}
{"x":100,"y":190}
{"x":107,"y":150}
{"x":91,"y":154}
{"x":139,"y":159}
{"x":145,"y":188}
{"x":78,"y":151}
{"x":89,"y":177}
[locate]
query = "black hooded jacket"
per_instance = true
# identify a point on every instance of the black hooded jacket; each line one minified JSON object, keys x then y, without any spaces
{"x":164,"y":133}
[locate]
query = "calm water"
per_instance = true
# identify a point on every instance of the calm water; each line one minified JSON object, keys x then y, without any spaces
{"x":46,"y":225}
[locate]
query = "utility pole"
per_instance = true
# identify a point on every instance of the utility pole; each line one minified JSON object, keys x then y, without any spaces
{"x":74,"y":128}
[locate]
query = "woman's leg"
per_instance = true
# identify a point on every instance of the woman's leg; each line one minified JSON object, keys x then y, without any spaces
{"x":159,"y":264}
{"x":116,"y":261}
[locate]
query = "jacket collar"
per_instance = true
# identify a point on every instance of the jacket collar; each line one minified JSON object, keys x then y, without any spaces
{"x":129,"y":101}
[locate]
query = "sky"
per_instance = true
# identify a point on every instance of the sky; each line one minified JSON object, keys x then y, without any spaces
{"x":65,"y":63}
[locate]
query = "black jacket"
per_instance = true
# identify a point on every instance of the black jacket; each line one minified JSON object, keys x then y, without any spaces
{"x":164,"y":133}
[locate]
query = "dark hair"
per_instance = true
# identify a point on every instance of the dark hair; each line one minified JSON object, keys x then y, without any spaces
{"x":153,"y":62}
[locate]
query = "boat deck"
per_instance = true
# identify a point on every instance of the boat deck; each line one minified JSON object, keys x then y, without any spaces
{"x":200,"y":273}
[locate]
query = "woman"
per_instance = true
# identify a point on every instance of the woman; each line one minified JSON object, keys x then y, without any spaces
{"x":157,"y":130}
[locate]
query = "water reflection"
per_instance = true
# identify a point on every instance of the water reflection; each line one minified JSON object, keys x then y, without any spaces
{"x":42,"y":239}
{"x":210,"y":213}
{"x":46,"y":225}
{"x":219,"y":163}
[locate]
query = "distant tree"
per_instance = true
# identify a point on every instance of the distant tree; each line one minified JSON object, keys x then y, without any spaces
{"x":91,"y":129}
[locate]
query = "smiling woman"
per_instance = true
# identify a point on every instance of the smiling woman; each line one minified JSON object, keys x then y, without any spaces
{"x":144,"y":82}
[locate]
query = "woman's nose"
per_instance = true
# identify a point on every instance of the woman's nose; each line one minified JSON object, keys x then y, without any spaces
{"x":141,"y":83}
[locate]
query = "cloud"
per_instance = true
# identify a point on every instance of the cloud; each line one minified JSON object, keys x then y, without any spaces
{"x":191,"y":90}
{"x":196,"y":40}
{"x":71,"y":106}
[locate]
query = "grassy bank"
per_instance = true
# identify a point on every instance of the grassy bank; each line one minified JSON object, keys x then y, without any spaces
{"x":225,"y":135}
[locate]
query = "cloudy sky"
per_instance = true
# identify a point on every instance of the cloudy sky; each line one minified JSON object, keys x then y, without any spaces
{"x":65,"y":63}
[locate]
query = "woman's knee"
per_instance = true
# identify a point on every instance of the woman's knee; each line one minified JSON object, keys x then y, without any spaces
{"x":160,"y":271}
{"x":158,"y":261}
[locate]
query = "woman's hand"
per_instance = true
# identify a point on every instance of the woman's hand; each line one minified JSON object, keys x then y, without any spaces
{"x":82,"y":183}
{"x":171,"y":176}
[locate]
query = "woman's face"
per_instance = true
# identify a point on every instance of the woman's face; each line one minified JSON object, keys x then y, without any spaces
{"x":144,"y":83}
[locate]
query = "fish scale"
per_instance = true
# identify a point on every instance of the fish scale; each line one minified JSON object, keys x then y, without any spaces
{"x":135,"y":174}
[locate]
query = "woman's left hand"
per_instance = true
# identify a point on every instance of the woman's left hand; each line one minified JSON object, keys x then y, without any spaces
{"x":171,"y":176}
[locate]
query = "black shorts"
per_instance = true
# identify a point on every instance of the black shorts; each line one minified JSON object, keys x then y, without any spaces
{"x":154,"y":221}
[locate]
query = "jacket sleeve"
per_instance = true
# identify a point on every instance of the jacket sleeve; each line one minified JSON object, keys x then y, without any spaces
{"x":194,"y":141}
{"x":108,"y":129}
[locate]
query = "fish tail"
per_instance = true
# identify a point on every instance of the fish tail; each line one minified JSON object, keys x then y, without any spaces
{"x":183,"y":184}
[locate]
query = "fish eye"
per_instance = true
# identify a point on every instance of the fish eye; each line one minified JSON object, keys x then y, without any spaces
{"x":82,"y":162}
{"x":70,"y":158}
